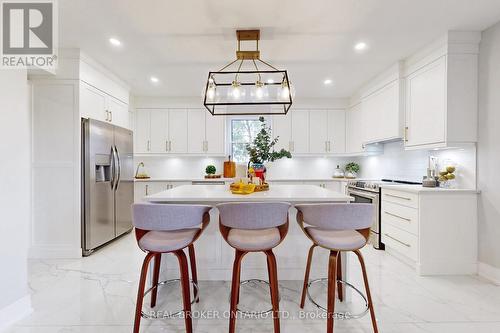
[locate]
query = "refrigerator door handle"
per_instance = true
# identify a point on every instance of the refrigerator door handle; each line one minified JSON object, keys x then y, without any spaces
{"x":118,"y":168}
{"x":112,"y":169}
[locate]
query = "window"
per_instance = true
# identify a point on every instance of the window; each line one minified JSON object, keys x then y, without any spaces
{"x":243,"y":131}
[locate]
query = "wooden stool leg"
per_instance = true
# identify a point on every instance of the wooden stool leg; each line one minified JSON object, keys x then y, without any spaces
{"x":194,"y":273}
{"x":235,"y":290}
{"x":332,"y":281}
{"x":340,"y":288}
{"x":274,"y":286}
{"x":186,"y":295}
{"x":306,"y":276}
{"x":156,"y":277}
{"x":367,"y":288}
{"x":140,"y":291}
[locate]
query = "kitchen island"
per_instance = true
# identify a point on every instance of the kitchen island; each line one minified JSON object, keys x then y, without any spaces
{"x":215,"y":257}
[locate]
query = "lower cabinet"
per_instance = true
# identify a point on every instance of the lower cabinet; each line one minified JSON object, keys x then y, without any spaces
{"x":145,"y":188}
{"x":433,"y":230}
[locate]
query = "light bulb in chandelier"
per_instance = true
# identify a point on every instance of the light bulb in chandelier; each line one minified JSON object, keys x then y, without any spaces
{"x":211,"y":90}
{"x":235,"y":92}
{"x":259,"y":90}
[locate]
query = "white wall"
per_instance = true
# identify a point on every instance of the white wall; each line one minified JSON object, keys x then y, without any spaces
{"x":396,"y":163}
{"x":489,"y":148}
{"x":15,"y":194}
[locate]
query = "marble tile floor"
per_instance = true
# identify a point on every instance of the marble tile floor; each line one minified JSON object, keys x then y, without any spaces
{"x":97,"y":294}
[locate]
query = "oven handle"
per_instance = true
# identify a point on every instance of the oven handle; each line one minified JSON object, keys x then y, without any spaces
{"x":363,"y":194}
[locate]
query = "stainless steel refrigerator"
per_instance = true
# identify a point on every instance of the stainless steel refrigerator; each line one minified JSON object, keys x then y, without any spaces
{"x":107,"y":183}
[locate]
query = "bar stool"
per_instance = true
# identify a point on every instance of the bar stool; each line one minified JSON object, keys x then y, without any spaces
{"x":254,"y":227}
{"x":337,"y":228}
{"x":168,"y":229}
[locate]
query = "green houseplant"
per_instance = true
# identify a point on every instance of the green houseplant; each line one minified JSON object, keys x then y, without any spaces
{"x":261,"y":150}
{"x":210,"y":170}
{"x":352,"y":170}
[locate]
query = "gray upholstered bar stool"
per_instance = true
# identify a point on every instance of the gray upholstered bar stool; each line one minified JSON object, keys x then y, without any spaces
{"x":168,"y":229}
{"x":254,"y":227}
{"x":338,"y":228}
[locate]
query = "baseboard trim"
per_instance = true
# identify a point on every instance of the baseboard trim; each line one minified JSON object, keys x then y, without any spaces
{"x":54,"y":252}
{"x":15,"y":312}
{"x":489,"y":272}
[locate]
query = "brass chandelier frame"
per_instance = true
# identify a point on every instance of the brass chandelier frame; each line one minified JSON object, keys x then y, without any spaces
{"x":241,"y":57}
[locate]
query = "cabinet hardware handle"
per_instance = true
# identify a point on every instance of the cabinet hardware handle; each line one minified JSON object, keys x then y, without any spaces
{"x":166,"y":145}
{"x":399,"y":217}
{"x":110,"y":115}
{"x":147,"y":188}
{"x":206,"y":145}
{"x":406,"y":134}
{"x":329,"y":146}
{"x":397,"y":196}
{"x":291,"y":146}
{"x":169,"y":145}
{"x":397,"y":240}
{"x":107,"y":115}
{"x":149,"y":145}
{"x":326,"y":145}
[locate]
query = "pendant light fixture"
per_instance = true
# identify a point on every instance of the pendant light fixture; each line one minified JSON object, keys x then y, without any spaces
{"x":248,"y":85}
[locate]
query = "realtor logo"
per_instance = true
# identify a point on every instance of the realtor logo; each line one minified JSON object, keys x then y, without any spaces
{"x":28,"y":34}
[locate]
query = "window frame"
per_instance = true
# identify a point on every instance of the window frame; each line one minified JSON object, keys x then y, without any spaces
{"x":229,"y":132}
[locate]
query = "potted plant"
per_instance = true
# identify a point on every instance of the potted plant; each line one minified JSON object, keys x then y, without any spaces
{"x":261,"y":150}
{"x":210,"y":171}
{"x":351,"y":170}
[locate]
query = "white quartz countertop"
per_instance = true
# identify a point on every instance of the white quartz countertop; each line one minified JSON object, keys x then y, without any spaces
{"x":233,"y":179}
{"x":420,"y":188}
{"x":214,"y":194}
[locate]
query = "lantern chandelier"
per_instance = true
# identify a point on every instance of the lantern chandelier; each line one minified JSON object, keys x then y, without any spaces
{"x":248,"y":85}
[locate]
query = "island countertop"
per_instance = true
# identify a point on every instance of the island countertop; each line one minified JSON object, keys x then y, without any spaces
{"x":215,"y":194}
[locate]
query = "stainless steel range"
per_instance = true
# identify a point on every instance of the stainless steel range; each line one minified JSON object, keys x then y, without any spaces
{"x":368,"y":191}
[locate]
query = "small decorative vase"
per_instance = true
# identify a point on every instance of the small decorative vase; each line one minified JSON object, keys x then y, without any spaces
{"x":260,"y":171}
{"x":351,"y":174}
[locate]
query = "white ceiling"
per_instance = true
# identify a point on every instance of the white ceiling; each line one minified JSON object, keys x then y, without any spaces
{"x":179,"y":41}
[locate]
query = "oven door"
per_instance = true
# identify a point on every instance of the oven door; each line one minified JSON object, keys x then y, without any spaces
{"x":361,"y":196}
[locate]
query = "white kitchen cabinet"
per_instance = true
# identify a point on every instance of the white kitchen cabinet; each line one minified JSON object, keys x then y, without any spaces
{"x":177,"y":131}
{"x":118,"y":113}
{"x":206,"y":133}
{"x":355,"y":127}
{"x":382,"y":108}
{"x":215,"y":134}
{"x":145,"y":188}
{"x":318,"y":132}
{"x":142,"y":139}
{"x":300,"y":132}
{"x":97,"y":104}
{"x":441,"y":102}
{"x":426,"y":108}
{"x":433,"y":230}
{"x":336,"y":131}
{"x":282,"y":128}
{"x":158,"y":133}
{"x":196,"y":131}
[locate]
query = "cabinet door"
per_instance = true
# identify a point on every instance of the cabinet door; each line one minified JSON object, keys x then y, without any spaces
{"x":142,"y":131}
{"x":426,"y":105}
{"x":355,"y":129}
{"x":282,"y":128}
{"x":159,"y":131}
{"x":336,"y":131}
{"x":177,"y":131}
{"x":215,"y":134}
{"x":318,"y":131}
{"x":92,"y":103}
{"x":196,"y":131}
{"x":119,"y":114}
{"x":300,"y":131}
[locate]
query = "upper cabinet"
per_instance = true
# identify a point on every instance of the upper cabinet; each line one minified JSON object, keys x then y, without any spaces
{"x":441,"y":102}
{"x":178,"y":131}
{"x":311,"y":132}
{"x":355,"y":128}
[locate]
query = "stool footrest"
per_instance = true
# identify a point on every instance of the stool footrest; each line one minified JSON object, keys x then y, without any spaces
{"x":255,"y":313}
{"x":166,"y":283}
{"x":340,"y":315}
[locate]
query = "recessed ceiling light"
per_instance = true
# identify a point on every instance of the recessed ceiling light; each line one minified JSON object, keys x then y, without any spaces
{"x":154,"y":79}
{"x":361,"y":46}
{"x":327,"y":82}
{"x":115,"y":42}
